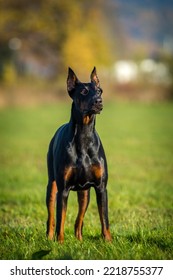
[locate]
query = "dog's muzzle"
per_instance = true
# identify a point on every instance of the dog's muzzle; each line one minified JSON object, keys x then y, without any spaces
{"x":97,"y":106}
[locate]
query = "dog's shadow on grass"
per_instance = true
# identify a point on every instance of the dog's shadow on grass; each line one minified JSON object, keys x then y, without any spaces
{"x":39,"y":255}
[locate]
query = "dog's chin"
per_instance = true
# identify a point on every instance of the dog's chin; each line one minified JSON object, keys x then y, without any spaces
{"x":92,"y":112}
{"x":98,"y":111}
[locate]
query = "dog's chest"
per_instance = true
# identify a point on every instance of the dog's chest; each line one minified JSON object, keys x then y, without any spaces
{"x":86,"y":169}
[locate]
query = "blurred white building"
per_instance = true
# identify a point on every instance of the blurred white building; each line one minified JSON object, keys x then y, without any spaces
{"x":148,"y":70}
{"x":125,"y":71}
{"x":155,"y":72}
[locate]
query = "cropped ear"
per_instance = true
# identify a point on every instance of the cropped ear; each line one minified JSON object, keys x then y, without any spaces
{"x":94,"y":77}
{"x":72,"y":80}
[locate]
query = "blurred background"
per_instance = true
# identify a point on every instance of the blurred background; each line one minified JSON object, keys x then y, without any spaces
{"x":130,"y":43}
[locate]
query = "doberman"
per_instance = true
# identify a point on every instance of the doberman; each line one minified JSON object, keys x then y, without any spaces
{"x":76,"y":160}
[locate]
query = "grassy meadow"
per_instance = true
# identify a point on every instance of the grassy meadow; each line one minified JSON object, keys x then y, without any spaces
{"x":138,"y":140}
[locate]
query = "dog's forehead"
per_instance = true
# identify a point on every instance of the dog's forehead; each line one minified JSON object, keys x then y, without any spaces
{"x":88,"y":86}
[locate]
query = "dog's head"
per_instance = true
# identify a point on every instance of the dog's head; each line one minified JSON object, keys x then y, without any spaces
{"x":86,"y":96}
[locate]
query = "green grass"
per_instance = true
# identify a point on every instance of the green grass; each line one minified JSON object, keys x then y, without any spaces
{"x":138,"y":140}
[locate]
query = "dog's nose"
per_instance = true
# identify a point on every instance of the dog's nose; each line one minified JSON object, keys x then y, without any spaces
{"x":98,"y":101}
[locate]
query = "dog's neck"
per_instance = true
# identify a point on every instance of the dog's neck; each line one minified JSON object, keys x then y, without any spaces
{"x":83,"y":131}
{"x":83,"y":128}
{"x":84,"y":123}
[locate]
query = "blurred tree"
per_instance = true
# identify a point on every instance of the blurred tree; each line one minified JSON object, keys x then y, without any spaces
{"x":54,"y":31}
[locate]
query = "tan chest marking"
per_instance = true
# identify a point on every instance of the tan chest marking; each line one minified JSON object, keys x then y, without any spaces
{"x":97,"y":170}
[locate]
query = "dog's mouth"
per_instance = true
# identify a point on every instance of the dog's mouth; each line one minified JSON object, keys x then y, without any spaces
{"x":93,"y":111}
{"x":95,"y":108}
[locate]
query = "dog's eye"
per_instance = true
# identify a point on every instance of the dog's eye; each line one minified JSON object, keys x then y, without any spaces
{"x":84,"y":91}
{"x":99,"y":91}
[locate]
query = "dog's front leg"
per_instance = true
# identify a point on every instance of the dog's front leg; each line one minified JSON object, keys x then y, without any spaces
{"x":62,"y":198}
{"x":83,"y":201}
{"x":50,"y":201}
{"x":102,"y":203}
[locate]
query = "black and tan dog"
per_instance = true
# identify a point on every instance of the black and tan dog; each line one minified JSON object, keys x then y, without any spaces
{"x":76,"y":160}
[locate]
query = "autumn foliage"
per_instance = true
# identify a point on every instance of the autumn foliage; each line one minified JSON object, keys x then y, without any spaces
{"x":58,"y":32}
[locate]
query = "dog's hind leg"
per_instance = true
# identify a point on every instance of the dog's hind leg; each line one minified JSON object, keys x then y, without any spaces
{"x":83,"y":201}
{"x":50,"y":202}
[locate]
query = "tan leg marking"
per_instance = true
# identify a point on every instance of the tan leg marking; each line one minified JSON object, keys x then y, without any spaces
{"x":83,"y":200}
{"x":51,"y":210}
